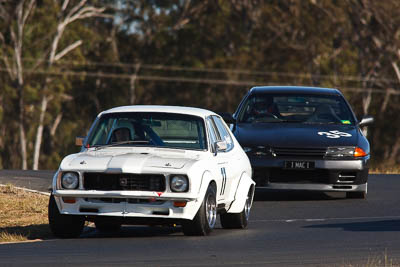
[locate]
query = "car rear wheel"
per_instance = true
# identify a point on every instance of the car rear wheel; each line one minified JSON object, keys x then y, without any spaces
{"x":206,"y":217}
{"x":238,"y":220}
{"x":61,"y":225}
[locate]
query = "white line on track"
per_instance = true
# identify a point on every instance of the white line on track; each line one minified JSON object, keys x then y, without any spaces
{"x":330,"y":219}
{"x":28,"y":190}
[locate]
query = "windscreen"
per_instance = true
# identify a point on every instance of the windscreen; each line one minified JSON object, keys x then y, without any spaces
{"x":297,"y":108}
{"x":149,"y":129}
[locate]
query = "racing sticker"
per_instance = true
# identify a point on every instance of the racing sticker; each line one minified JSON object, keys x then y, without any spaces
{"x":334,"y":134}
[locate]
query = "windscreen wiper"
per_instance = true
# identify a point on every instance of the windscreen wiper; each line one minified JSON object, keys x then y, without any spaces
{"x":280,"y":120}
{"x":320,"y":122}
{"x":291,"y":121}
{"x":121,"y":143}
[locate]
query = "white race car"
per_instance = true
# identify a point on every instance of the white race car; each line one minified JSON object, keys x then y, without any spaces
{"x":153,"y":165}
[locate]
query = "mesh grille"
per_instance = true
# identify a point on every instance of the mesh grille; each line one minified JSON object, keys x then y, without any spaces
{"x":315,"y":153}
{"x":124,"y":181}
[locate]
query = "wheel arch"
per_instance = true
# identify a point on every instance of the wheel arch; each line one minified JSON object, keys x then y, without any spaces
{"x":207,"y":179}
{"x":245,"y":184}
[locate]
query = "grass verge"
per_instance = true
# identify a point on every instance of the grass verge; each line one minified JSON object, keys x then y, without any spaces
{"x":23,"y":215}
{"x":385,"y":170}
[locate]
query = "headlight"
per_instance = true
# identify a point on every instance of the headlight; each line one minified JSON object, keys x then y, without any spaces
{"x":70,"y":180}
{"x":345,"y":152}
{"x":179,"y":183}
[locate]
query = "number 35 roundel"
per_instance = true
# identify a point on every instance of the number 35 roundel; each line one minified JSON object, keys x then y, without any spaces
{"x":334,"y":134}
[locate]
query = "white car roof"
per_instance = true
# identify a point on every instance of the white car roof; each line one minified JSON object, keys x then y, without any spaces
{"x":166,"y":109}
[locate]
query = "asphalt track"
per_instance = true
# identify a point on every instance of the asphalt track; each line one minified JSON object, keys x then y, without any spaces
{"x":285,"y":229}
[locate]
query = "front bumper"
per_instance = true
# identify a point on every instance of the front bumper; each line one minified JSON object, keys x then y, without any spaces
{"x":127,"y":204}
{"x":327,"y":175}
{"x":317,"y":187}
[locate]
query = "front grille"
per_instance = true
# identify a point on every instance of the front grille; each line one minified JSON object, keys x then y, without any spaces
{"x":317,"y":176}
{"x":314,"y":153}
{"x":124,"y":181}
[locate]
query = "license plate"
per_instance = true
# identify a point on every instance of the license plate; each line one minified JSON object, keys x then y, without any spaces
{"x":302,"y":165}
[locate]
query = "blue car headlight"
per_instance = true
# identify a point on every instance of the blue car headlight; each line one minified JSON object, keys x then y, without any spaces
{"x":345,"y":152}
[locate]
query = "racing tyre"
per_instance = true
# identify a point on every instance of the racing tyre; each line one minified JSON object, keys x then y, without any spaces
{"x":107,"y":226}
{"x":357,"y":195}
{"x":238,"y":220}
{"x":64,"y":226}
{"x":206,"y":217}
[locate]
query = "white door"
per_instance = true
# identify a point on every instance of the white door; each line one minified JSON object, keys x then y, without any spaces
{"x":228,"y":160}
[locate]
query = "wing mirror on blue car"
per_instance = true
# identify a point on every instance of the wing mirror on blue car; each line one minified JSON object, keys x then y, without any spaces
{"x":366,"y":120}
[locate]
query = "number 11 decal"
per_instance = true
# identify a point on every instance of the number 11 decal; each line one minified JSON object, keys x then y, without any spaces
{"x":223,"y":173}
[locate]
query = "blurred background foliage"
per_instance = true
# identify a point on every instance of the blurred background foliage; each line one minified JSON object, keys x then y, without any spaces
{"x":201,"y":53}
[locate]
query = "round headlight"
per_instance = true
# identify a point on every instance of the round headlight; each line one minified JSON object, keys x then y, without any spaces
{"x":179,"y":183}
{"x":70,"y":180}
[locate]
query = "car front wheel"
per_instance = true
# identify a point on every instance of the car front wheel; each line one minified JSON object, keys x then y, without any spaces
{"x":357,"y":195}
{"x":206,"y":216}
{"x":61,"y":225}
{"x":238,"y":220}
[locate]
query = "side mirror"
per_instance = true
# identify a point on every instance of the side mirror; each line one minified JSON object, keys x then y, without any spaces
{"x":79,"y":140}
{"x":227,"y":117}
{"x":366,"y":120}
{"x":220,"y":146}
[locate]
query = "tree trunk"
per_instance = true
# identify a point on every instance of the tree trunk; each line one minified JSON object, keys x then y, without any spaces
{"x":39,"y":133}
{"x":395,"y":151}
{"x":366,"y":101}
{"x":55,"y":125}
{"x":132,"y":85}
{"x":132,"y":97}
{"x":22,"y":137}
{"x":388,"y":94}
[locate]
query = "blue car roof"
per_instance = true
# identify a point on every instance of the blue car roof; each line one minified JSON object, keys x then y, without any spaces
{"x":294,"y":89}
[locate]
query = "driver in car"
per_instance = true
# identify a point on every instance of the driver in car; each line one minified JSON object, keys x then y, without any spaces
{"x":265,"y":108}
{"x":121,"y":134}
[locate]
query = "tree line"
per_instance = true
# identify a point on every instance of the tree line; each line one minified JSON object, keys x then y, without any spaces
{"x":64,"y":61}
